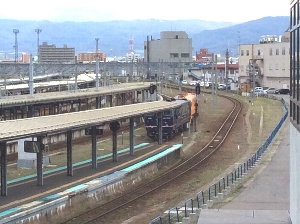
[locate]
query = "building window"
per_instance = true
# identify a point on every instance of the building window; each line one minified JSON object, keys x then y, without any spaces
{"x":283,"y":66}
{"x":242,"y":52}
{"x":258,"y":52}
{"x":270,"y":51}
{"x":247,"y":52}
{"x":276,"y":66}
{"x":185,"y":55}
{"x":277,"y":51}
{"x":173,"y":55}
{"x":270,"y":67}
{"x":283,"y":51}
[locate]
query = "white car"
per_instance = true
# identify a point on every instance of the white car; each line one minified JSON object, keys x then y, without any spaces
{"x":221,"y":86}
{"x":270,"y":91}
{"x":184,"y":82}
{"x":193,"y":83}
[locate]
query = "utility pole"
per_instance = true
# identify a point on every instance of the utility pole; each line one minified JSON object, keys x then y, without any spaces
{"x":38,"y":31}
{"x":212,"y":84}
{"x":251,"y":76}
{"x":226,"y":68}
{"x":16,"y":31}
{"x":97,"y":66}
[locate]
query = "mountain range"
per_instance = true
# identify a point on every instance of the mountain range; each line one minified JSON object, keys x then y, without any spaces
{"x":114,"y":36}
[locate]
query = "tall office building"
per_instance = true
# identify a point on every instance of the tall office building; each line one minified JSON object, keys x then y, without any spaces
{"x":294,"y":112}
{"x":52,"y":54}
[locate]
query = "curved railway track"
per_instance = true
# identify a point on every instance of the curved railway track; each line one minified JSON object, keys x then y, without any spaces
{"x":100,"y":214}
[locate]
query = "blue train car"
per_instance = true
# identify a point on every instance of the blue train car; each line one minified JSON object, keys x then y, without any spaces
{"x":173,"y":120}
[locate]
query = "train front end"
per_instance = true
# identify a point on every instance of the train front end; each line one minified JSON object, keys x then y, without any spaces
{"x":167,"y":124}
{"x":151,"y":125}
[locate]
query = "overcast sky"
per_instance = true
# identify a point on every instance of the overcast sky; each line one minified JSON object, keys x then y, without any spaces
{"x":75,"y":10}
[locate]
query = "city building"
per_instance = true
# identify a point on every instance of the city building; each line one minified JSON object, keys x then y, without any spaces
{"x":266,"y":63}
{"x":132,"y":57}
{"x":25,"y":58}
{"x":90,"y":57}
{"x":203,"y":67}
{"x":173,"y":46}
{"x":294,"y":113}
{"x":203,"y":56}
{"x":52,"y":54}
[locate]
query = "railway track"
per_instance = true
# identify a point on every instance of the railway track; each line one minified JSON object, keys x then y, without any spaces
{"x":104,"y":212}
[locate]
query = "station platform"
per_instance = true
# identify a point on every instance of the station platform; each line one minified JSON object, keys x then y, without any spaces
{"x":24,"y":189}
{"x":264,"y":197}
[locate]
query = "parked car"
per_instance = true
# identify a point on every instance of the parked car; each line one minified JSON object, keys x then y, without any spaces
{"x":221,"y":86}
{"x":282,"y":91}
{"x":207,"y":85}
{"x":259,"y":92}
{"x":270,"y":90}
{"x":257,"y":88}
{"x":193,"y":83}
{"x":184,"y":82}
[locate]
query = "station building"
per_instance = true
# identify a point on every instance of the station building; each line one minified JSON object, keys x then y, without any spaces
{"x":294,"y":113}
{"x":172,"y":46}
{"x":266,"y":63}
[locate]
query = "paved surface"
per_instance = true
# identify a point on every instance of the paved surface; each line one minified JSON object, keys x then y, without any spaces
{"x":265,"y":198}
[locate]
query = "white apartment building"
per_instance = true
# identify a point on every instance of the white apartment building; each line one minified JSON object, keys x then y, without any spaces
{"x":173,"y":46}
{"x":269,"y":62}
{"x":132,"y":57}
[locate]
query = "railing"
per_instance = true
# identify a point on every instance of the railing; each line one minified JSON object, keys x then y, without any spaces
{"x":200,"y":199}
{"x":223,"y":183}
{"x":188,"y":207}
{"x":173,"y":214}
{"x":212,"y":190}
{"x":156,"y":220}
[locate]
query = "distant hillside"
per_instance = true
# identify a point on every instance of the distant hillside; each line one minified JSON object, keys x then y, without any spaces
{"x":245,"y":33}
{"x":114,"y":35}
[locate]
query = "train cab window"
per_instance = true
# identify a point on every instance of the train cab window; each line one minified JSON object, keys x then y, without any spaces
{"x":167,"y":112}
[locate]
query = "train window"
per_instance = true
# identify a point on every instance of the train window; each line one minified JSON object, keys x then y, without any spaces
{"x":150,"y":114}
{"x":167,"y":112}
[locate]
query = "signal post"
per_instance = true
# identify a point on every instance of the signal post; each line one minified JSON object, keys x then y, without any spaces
{"x":196,"y":114}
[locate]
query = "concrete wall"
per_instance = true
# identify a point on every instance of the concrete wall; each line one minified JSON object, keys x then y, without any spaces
{"x":294,"y":175}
